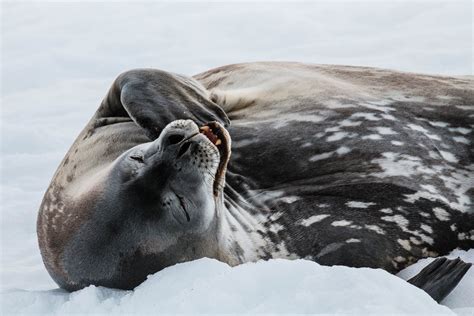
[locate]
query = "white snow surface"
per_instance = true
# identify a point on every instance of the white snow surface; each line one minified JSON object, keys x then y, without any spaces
{"x":58,"y":60}
{"x":209,"y":286}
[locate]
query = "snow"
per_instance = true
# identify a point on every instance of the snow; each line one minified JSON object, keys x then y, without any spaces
{"x":59,"y":59}
{"x":209,"y":286}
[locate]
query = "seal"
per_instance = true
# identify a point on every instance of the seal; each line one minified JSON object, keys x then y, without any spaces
{"x":342,"y":165}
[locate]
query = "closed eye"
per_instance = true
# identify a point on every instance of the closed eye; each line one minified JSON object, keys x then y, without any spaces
{"x":137,"y":158}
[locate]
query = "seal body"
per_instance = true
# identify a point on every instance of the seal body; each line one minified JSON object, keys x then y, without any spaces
{"x":348,"y":165}
{"x":341,"y":165}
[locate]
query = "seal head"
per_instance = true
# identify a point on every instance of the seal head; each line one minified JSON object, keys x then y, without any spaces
{"x":158,"y":207}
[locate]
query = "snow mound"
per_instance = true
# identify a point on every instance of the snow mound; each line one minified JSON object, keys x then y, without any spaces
{"x":209,"y":286}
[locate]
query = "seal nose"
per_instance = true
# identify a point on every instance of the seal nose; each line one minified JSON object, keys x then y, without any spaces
{"x":175,"y":139}
{"x":184,"y":148}
{"x":179,"y":141}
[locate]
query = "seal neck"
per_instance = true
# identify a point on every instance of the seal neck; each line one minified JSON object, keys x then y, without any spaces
{"x":242,"y":234}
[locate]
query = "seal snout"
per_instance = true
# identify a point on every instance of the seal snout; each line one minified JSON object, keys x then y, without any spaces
{"x":194,"y":149}
{"x":183,"y":149}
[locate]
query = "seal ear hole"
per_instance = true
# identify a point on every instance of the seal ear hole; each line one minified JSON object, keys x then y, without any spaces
{"x":176,"y":138}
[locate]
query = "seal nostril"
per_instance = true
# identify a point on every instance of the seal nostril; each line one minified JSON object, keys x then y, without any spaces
{"x":176,"y":138}
{"x":183,"y":149}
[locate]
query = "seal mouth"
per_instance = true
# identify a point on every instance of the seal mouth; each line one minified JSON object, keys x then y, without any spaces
{"x":220,"y":138}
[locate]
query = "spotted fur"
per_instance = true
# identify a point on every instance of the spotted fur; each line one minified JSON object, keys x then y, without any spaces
{"x":389,"y":156}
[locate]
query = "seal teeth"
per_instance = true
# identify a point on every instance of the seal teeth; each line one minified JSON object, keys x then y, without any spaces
{"x":211,"y":134}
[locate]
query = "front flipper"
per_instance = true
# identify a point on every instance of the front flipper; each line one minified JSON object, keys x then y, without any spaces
{"x":440,"y":277}
{"x":153,"y":98}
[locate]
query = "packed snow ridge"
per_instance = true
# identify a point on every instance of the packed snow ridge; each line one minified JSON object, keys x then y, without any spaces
{"x":275,"y":286}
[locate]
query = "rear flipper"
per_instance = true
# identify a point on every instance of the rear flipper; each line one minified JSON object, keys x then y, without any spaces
{"x":440,"y":277}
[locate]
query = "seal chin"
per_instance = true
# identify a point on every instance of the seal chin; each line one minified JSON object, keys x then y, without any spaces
{"x":220,"y":138}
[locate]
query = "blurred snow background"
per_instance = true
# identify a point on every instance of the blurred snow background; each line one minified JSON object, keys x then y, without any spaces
{"x":58,"y":60}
